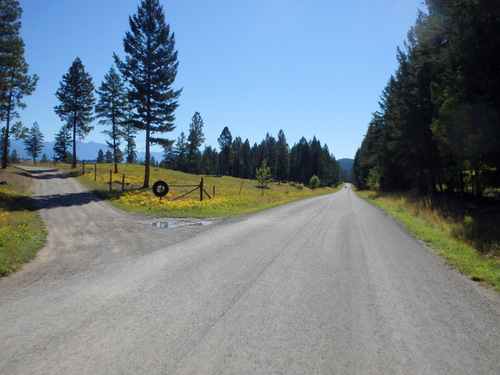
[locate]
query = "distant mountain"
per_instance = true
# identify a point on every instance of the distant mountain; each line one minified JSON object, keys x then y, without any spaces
{"x":84,"y":150}
{"x":346,"y":165}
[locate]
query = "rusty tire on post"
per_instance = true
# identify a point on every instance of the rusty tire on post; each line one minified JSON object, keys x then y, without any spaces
{"x":160,"y":188}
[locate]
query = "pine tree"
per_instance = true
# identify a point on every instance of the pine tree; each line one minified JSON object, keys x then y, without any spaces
{"x":108,"y":157}
{"x":112,"y":107}
{"x":77,"y":102}
{"x":130,"y":150}
{"x":263,"y":174}
{"x":150,"y":67}
{"x":100,"y":156}
{"x":226,"y":153}
{"x":300,"y":162}
{"x":180,"y":153}
{"x":195,"y":139}
{"x":282,"y":157}
{"x":34,"y":142}
{"x":237,"y":157}
{"x":14,"y":157}
{"x":62,"y":142}
{"x":15,"y":82}
{"x":210,"y":161}
{"x":246,"y":156}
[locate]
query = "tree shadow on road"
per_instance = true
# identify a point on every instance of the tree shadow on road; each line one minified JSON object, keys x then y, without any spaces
{"x":45,"y":174}
{"x":65,"y":200}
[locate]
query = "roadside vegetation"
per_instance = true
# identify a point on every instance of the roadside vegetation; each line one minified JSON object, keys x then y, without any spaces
{"x":229,"y":196}
{"x":22,"y":232}
{"x":464,"y":233}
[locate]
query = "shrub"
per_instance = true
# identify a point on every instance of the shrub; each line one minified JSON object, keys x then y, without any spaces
{"x":314,"y":182}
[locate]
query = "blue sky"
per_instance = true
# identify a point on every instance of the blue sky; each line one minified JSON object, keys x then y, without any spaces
{"x":309,"y":67}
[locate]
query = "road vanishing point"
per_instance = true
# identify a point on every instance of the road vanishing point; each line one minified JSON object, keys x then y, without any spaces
{"x":328,"y":285}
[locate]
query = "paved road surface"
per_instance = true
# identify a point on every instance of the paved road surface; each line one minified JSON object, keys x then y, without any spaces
{"x":329,"y":285}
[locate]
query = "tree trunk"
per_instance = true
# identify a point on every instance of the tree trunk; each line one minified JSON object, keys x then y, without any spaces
{"x":6,"y":140}
{"x":146,"y":162}
{"x":73,"y":164}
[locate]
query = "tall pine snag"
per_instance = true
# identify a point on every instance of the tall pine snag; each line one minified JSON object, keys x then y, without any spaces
{"x":150,"y":68}
{"x":112,"y":108}
{"x":33,"y":143}
{"x":15,"y":82}
{"x":76,"y":95}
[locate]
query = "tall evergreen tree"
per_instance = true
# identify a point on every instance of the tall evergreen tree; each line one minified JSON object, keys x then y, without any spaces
{"x":210,"y":161}
{"x":300,"y":162}
{"x":108,"y":157}
{"x":194,"y":141}
{"x":226,"y":152}
{"x":237,"y":148}
{"x":246,"y":156}
{"x":34,"y":142}
{"x":62,"y":142}
{"x":131,"y":147}
{"x":269,"y":152}
{"x":100,"y":156}
{"x":180,"y":153}
{"x":282,"y":157}
{"x":150,"y":67}
{"x":112,"y":107}
{"x":15,"y":82}
{"x":76,"y":94}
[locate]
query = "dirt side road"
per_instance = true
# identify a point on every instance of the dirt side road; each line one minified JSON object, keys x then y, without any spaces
{"x":84,"y":231}
{"x":330,"y":285}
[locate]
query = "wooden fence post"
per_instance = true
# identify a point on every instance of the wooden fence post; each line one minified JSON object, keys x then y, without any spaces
{"x":123,"y":183}
{"x":110,"y":180}
{"x":214,"y":191}
{"x":95,"y":172}
{"x":83,"y":167}
{"x":201,"y":189}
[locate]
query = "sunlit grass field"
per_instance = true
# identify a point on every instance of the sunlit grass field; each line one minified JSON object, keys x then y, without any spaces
{"x":227,"y":196}
{"x":22,"y":232}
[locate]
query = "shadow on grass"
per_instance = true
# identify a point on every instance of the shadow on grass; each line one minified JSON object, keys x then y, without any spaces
{"x":16,"y":202}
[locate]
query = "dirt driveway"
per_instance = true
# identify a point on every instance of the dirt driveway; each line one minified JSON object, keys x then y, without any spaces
{"x":84,"y":231}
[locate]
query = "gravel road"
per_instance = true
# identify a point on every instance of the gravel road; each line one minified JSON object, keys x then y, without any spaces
{"x":329,"y":285}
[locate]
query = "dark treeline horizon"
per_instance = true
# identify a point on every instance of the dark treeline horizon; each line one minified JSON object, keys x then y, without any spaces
{"x":237,"y":158}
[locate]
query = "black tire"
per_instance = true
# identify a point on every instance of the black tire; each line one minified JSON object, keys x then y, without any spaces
{"x":160,"y":188}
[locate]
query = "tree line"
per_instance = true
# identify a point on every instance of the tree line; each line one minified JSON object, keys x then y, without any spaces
{"x":237,"y":158}
{"x":137,"y":95}
{"x":438,"y":126}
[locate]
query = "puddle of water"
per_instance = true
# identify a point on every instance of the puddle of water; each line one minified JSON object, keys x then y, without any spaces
{"x":165,"y":224}
{"x":177,"y":224}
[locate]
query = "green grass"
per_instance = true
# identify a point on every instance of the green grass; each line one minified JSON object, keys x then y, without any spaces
{"x":22,"y":232}
{"x":475,"y":256}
